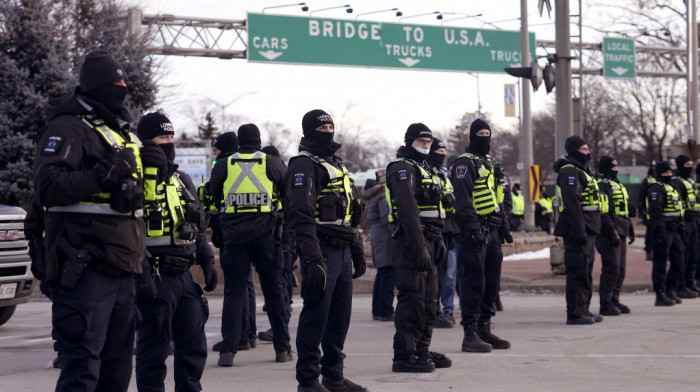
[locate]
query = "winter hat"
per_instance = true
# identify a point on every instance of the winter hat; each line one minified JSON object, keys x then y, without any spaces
{"x":477,"y":125}
{"x":271,"y":150}
{"x":99,"y":69}
{"x":415,"y":131}
{"x":248,"y":133}
{"x":227,"y":142}
{"x":154,"y":124}
{"x":516,"y":187}
{"x":315,"y":119}
{"x":437,"y":144}
{"x":681,"y":160}
{"x":573,"y":143}
{"x":662,"y":167}
{"x":605,"y":164}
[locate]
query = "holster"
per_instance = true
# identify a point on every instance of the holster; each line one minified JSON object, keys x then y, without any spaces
{"x":74,"y":265}
{"x":171,"y":264}
{"x":334,"y":241}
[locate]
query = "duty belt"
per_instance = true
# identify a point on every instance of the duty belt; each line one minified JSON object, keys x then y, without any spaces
{"x":333,"y":241}
{"x":94,"y":209}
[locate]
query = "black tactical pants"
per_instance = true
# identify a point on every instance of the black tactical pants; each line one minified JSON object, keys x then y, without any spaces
{"x":670,"y":248}
{"x":178,"y":314}
{"x":416,"y":301}
{"x":95,"y":324}
{"x":692,"y":253}
{"x":578,"y":260}
{"x":325,"y":318}
{"x":480,"y":279}
{"x":610,"y":257}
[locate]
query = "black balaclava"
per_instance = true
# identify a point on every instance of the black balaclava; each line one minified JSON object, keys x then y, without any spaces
{"x":605,"y":167}
{"x":313,"y":120}
{"x":97,"y":76}
{"x":479,"y":144}
{"x":434,"y":159}
{"x":413,"y":132}
{"x":249,"y":137}
{"x":572,"y":144}
{"x":156,"y":124}
{"x":543,"y":192}
{"x":663,"y":167}
{"x":680,"y":162}
{"x":271,"y":150}
{"x":227,"y":142}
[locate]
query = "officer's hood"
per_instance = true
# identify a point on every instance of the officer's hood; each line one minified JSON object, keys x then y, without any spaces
{"x":321,"y":150}
{"x":565,"y":160}
{"x":75,"y":104}
{"x":410,"y":153}
{"x":369,"y":193}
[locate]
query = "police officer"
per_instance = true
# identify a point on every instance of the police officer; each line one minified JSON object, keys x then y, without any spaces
{"x":644,"y":186}
{"x":579,"y":223}
{"x":175,"y":310}
{"x":665,"y":221}
{"x":321,"y":203}
{"x":518,"y":214}
{"x":414,"y":193}
{"x":88,"y":176}
{"x":610,"y":242}
{"x":475,"y":176}
{"x":544,"y":211}
{"x":688,"y":191}
{"x":247,"y":187}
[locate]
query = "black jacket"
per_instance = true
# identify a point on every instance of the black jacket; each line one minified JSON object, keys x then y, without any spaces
{"x":463,"y":174}
{"x":64,"y":174}
{"x":656,"y":199}
{"x":573,"y":221}
{"x":241,"y":228}
{"x":304,"y":181}
{"x":607,"y":221}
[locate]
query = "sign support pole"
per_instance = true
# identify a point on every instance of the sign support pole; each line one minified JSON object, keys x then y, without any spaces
{"x":526,"y":124}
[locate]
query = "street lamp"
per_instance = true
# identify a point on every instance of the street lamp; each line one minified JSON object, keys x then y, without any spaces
{"x":438,"y":17}
{"x":398,"y":13}
{"x":346,"y":6}
{"x":465,"y":16}
{"x":224,"y":106}
{"x":303,"y":6}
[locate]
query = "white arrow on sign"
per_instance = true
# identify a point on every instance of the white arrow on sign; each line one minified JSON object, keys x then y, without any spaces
{"x":619,"y":70}
{"x":409,"y":62}
{"x":270,"y":54}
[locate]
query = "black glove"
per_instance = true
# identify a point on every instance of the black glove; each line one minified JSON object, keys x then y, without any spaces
{"x":316,"y":275}
{"x":120,"y":166}
{"x":146,"y":290}
{"x":581,"y":239}
{"x":632,"y":211}
{"x":614,"y":238}
{"x":422,"y":259}
{"x":211,"y":277}
{"x":153,"y":156}
{"x":631,"y":235}
{"x":440,"y":252}
{"x":359,"y":265}
{"x":507,"y":237}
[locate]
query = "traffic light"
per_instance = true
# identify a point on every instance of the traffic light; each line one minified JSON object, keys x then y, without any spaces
{"x":549,"y":75}
{"x":534,"y":73}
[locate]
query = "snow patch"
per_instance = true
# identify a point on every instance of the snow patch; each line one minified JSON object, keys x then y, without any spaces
{"x":539,"y":254}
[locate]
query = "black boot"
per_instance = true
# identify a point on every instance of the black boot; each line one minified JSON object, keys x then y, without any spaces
{"x":609,"y":310}
{"x":472,"y":343}
{"x":671,"y":293}
{"x":412,"y":365}
{"x":624,"y":309}
{"x":484,"y":330}
{"x":662,"y":299}
{"x":686,"y":293}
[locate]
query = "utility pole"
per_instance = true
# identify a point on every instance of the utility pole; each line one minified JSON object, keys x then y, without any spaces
{"x":692,"y":74}
{"x":564,"y":106}
{"x":526,"y":124}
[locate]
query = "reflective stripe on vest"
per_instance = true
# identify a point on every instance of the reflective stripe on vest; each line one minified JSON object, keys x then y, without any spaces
{"x":165,"y":210}
{"x":99,"y":203}
{"x":590,"y":197}
{"x":447,"y":192}
{"x":691,"y":203}
{"x":518,"y":204}
{"x":484,"y":193}
{"x":339,"y":186}
{"x":546,"y":204}
{"x":673,"y":205}
{"x":620,"y":198}
{"x":427,"y":194}
{"x":206,"y":199}
{"x":247,"y":188}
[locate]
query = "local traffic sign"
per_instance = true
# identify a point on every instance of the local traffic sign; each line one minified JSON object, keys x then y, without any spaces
{"x":302,"y":40}
{"x":618,"y":56}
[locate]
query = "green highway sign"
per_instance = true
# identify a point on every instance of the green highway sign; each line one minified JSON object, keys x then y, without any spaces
{"x":302,"y":40}
{"x":618,"y":56}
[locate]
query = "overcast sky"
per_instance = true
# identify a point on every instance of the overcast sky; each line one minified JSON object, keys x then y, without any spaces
{"x":384,"y":101}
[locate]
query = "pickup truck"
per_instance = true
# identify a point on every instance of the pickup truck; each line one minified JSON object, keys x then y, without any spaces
{"x":16,"y":279}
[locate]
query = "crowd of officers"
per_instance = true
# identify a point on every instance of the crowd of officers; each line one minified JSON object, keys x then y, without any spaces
{"x":115,"y":228}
